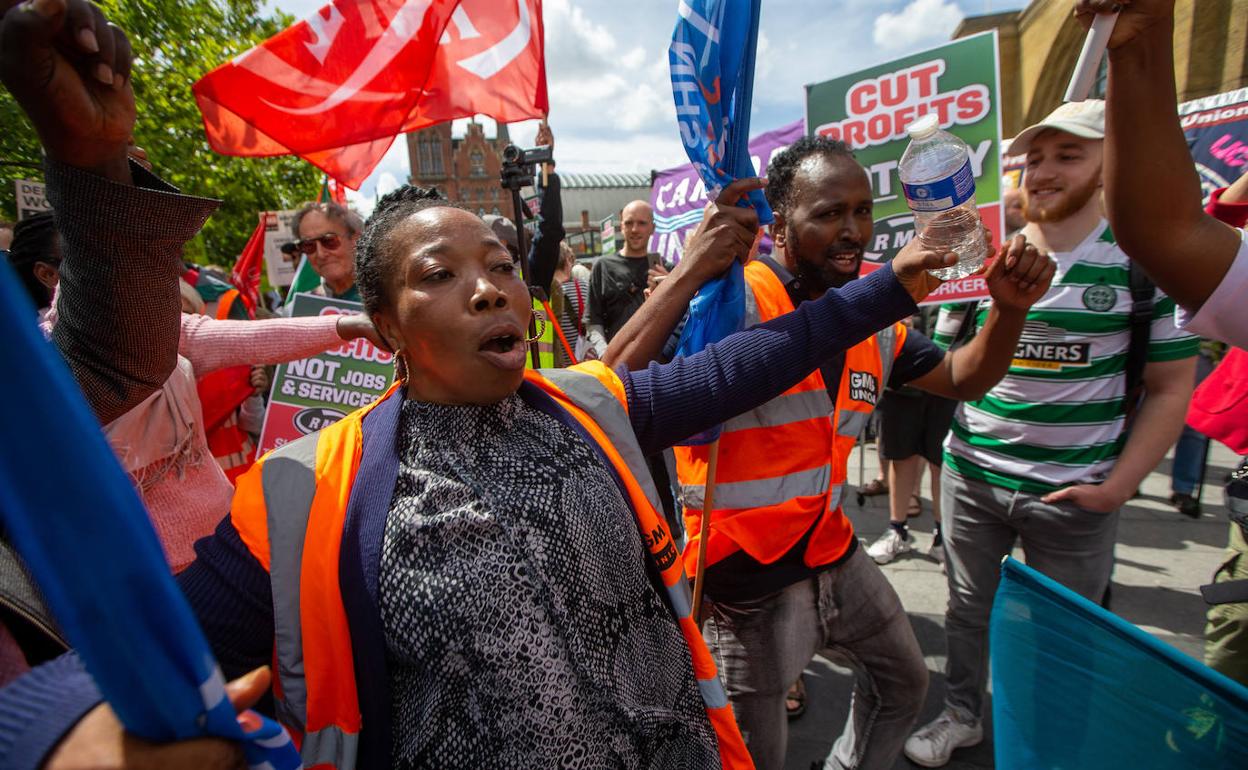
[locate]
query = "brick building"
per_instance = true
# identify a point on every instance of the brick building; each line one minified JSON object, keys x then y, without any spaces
{"x":465,"y":168}
{"x":1040,"y":43}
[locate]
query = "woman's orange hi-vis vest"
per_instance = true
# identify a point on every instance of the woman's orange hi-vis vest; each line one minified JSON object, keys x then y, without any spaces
{"x":782,"y":466}
{"x":290,"y":509}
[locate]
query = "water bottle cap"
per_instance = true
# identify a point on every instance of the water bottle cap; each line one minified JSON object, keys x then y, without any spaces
{"x":924,"y":126}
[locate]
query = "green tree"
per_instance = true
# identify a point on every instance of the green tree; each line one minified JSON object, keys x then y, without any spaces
{"x":175,"y":43}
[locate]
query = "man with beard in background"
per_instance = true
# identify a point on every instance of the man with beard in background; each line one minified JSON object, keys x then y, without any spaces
{"x":785,"y":577}
{"x":1044,"y":456}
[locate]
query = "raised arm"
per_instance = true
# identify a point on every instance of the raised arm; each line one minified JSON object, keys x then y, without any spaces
{"x":544,"y":254}
{"x":725,"y":233}
{"x":1152,"y":194}
{"x":1016,"y":280}
{"x":668,"y":403}
{"x":121,"y":231}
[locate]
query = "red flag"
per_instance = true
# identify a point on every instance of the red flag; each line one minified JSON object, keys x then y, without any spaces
{"x":337,"y":88}
{"x":246,"y":273}
{"x":332,"y":191}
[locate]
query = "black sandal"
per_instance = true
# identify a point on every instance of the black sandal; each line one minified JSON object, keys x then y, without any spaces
{"x":874,"y":487}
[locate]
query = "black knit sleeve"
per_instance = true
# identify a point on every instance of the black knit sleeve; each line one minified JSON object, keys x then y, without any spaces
{"x":668,"y":403}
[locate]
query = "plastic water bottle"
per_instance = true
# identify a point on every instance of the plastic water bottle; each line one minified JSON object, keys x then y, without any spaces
{"x":936,"y":176}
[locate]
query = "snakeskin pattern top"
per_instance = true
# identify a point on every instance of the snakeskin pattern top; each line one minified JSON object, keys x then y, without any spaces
{"x":522,"y":626}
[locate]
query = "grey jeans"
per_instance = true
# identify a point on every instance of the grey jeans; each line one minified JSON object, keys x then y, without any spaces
{"x":849,"y":614}
{"x":1072,"y":545}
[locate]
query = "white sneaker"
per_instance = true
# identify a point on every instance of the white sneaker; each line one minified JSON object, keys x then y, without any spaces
{"x":937,"y":551}
{"x":933,"y":744}
{"x":889,"y":546}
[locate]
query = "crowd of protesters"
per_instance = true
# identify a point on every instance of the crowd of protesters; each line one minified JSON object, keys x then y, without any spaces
{"x":519,"y":498}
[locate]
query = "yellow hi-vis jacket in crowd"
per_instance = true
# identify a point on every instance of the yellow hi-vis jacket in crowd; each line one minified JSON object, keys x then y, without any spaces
{"x":290,"y":510}
{"x":545,"y":341}
{"x":783,"y":466}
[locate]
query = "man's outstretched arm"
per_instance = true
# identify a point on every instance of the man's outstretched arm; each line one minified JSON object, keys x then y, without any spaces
{"x":1152,"y":193}
{"x":1017,"y":279}
{"x":726,"y":233}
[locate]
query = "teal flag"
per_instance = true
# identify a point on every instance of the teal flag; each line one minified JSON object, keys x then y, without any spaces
{"x":1075,"y":686}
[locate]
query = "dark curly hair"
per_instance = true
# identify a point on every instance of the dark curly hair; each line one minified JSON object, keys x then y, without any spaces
{"x":373,"y":255}
{"x":784,"y":165}
{"x":35,"y":239}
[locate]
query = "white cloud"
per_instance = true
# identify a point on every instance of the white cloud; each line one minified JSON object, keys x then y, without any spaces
{"x":610,"y":93}
{"x":387,"y":183}
{"x":920,"y":21}
{"x":389,"y":174}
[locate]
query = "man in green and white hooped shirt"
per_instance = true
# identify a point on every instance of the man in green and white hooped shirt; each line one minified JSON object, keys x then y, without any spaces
{"x":1043,"y":457}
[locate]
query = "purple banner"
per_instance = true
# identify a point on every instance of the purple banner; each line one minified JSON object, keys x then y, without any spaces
{"x":678,"y":194}
{"x":1216,"y":128}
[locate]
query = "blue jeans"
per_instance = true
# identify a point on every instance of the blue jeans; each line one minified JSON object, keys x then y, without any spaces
{"x":850,"y":614}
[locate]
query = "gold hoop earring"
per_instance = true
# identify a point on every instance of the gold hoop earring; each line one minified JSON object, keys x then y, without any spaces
{"x":400,"y":368}
{"x":540,"y":317}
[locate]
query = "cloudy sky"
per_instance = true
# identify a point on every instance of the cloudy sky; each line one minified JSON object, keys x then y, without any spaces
{"x":610,"y":96}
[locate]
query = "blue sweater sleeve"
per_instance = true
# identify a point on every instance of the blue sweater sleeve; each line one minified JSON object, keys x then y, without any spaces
{"x":228,"y":591}
{"x":668,"y":403}
{"x":39,"y":708}
{"x":230,"y":594}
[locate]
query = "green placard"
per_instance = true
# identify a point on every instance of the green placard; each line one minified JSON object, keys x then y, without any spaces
{"x":871,"y":109}
{"x":608,"y":236}
{"x":316,"y":392}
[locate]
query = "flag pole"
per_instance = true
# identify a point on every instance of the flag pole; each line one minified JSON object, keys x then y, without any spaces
{"x":704,"y":531}
{"x":545,"y":166}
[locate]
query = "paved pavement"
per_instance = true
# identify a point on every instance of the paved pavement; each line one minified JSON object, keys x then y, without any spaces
{"x":1162,"y":557}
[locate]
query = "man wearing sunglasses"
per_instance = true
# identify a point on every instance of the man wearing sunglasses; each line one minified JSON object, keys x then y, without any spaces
{"x":326,"y":233}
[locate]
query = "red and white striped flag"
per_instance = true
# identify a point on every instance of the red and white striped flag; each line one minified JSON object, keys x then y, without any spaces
{"x":338,"y":87}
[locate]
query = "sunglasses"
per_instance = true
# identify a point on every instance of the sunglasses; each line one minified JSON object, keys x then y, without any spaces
{"x":329,"y":241}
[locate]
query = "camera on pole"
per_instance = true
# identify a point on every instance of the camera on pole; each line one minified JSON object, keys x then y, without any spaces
{"x":518,"y":169}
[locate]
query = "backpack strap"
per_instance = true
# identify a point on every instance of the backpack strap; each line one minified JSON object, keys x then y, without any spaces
{"x":968,"y":324}
{"x":1139,"y":323}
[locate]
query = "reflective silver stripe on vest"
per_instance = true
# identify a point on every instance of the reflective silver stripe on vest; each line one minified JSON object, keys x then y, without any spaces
{"x":886,"y":339}
{"x":592,"y":396}
{"x":288,"y":479}
{"x":760,"y":493}
{"x":784,"y":409}
{"x":681,"y":596}
{"x":834,"y":498}
{"x":850,"y":423}
{"x":713,"y":693}
{"x":330,"y":746}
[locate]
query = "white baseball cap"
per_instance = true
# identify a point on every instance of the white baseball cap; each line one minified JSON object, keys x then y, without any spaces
{"x":1084,"y":119}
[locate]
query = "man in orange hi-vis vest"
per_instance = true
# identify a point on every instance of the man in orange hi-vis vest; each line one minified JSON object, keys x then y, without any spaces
{"x":786,"y":578}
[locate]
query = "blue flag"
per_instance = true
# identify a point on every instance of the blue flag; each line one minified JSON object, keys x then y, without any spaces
{"x":1074,"y":685}
{"x":77,"y":521}
{"x":712,"y":64}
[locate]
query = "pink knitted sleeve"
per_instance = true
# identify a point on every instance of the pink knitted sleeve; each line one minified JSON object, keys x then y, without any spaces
{"x":211,"y":344}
